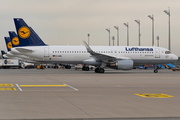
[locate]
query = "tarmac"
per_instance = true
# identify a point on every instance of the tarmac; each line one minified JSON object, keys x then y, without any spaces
{"x":77,"y":94}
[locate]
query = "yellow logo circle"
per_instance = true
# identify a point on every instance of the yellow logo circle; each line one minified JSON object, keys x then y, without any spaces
{"x":9,"y":45}
{"x":15,"y":41}
{"x":24,"y":32}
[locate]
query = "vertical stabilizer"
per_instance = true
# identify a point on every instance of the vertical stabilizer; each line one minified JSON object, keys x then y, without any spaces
{"x":8,"y":43}
{"x":27,"y":36}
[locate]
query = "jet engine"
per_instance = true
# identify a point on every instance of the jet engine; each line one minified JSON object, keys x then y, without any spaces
{"x":122,"y":65}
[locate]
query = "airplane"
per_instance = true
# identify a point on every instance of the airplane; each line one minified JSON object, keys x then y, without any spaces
{"x":13,"y":37}
{"x":3,"y":53}
{"x":36,"y":40}
{"x":115,"y":57}
{"x":8,"y":46}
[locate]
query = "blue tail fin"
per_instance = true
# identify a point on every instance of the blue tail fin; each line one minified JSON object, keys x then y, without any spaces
{"x":14,"y":38}
{"x":27,"y":36}
{"x":8,"y":43}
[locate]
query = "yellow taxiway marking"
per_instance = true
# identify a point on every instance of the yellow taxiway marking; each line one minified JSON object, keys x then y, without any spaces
{"x":43,"y":85}
{"x":154,"y":95}
{"x":6,"y":85}
{"x":8,"y":89}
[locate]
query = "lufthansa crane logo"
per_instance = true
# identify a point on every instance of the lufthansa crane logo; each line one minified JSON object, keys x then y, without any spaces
{"x":9,"y":45}
{"x":15,"y":41}
{"x":24,"y":32}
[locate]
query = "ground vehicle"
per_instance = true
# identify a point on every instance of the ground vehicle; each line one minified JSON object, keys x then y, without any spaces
{"x":40,"y":66}
{"x":10,"y":63}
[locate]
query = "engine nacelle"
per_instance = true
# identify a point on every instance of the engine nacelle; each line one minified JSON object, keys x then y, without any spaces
{"x":122,"y":65}
{"x":92,"y":62}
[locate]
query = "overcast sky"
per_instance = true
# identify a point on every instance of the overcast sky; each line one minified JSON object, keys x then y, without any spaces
{"x":62,"y":22}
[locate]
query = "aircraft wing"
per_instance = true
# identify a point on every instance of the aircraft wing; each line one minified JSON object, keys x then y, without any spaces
{"x":103,"y":57}
{"x":24,"y":50}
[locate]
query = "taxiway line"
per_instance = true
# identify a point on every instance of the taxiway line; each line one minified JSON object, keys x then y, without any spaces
{"x":19,"y":87}
{"x":43,"y":85}
{"x":71,"y":87}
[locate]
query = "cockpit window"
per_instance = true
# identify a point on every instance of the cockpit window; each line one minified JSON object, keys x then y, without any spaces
{"x":167,"y":52}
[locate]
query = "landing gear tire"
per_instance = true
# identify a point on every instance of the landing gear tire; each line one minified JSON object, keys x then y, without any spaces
{"x":55,"y":67}
{"x":155,"y":71}
{"x":68,"y":67}
{"x":99,"y":70}
{"x":85,"y":68}
{"x":96,"y":70}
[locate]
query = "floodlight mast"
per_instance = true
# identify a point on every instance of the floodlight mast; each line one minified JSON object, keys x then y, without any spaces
{"x":113,"y":39}
{"x":138,"y":22}
{"x":126,"y":24}
{"x":117,"y":28}
{"x":158,"y":41}
{"x":152,"y":18}
{"x":88,"y":38}
{"x":109,"y":35}
{"x":168,"y":13}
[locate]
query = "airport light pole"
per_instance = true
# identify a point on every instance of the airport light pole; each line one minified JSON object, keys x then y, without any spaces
{"x":109,"y":35}
{"x":126,"y":24}
{"x":152,"y":18}
{"x":117,"y":28}
{"x":168,"y":13}
{"x":113,"y":39}
{"x":138,"y":22}
{"x":88,"y":38}
{"x":157,"y":41}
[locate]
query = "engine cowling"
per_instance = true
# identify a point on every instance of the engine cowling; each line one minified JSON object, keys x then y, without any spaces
{"x":122,"y":65}
{"x":92,"y":62}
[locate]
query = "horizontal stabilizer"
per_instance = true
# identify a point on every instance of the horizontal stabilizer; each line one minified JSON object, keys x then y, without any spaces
{"x":24,"y":50}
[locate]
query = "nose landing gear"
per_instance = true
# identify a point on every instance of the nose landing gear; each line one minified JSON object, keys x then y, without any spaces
{"x":156,"y":70}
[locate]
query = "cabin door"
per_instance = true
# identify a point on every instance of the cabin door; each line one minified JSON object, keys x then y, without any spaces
{"x":46,"y":52}
{"x":157,"y":53}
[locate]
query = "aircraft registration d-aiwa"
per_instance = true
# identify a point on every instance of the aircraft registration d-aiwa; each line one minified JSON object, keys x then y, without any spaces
{"x":115,"y":57}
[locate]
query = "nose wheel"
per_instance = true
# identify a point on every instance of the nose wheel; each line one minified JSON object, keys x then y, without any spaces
{"x":156,"y":70}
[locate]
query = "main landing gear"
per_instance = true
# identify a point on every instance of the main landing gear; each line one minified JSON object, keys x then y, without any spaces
{"x":99,"y":70}
{"x":67,"y":66}
{"x":85,"y":68}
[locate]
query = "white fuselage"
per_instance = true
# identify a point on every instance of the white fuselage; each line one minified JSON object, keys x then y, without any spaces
{"x":77,"y":54}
